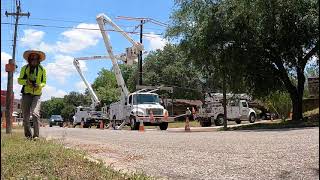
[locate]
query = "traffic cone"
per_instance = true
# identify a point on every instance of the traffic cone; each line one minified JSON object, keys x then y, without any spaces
{"x":141,"y":126}
{"x":187,"y":126}
{"x":101,"y":125}
{"x":165,"y":117}
{"x":151,"y":116}
{"x":4,"y":123}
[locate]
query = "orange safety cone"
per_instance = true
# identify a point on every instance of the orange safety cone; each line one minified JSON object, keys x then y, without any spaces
{"x":4,"y":123}
{"x":141,"y":126}
{"x":165,"y":117}
{"x":187,"y":126}
{"x":151,"y":116}
{"x":101,"y":125}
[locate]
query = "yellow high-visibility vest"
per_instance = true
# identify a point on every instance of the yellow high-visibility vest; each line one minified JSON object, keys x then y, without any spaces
{"x":38,"y":75}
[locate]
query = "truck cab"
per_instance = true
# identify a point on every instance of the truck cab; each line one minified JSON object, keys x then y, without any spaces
{"x":138,"y":106}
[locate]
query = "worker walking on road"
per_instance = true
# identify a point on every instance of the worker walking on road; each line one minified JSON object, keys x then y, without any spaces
{"x":33,"y":79}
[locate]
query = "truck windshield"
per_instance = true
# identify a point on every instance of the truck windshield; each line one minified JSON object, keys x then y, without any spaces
{"x":145,"y":99}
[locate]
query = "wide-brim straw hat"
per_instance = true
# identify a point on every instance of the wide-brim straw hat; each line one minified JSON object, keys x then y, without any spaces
{"x":42,"y":55}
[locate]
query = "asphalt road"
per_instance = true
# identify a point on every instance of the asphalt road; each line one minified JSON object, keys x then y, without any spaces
{"x":260,"y":154}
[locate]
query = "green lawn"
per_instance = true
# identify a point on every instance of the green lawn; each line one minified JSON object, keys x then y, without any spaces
{"x":278,"y":124}
{"x":179,"y":124}
{"x":22,"y":158}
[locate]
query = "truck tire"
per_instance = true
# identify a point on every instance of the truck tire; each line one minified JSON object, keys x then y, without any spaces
{"x":133,"y":124}
{"x":205,"y":123}
{"x":219,"y":120}
{"x":61,"y":124}
{"x":86,"y":125}
{"x":50,"y":125}
{"x":163,"y":126}
{"x":238,"y":121}
{"x":252,"y":118}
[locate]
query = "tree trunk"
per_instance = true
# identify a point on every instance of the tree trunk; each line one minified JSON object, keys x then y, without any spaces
{"x":297,"y":101}
{"x":296,"y":92}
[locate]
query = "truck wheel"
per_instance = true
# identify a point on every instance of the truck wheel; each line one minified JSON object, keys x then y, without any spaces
{"x":205,"y":123}
{"x":163,"y":126}
{"x":50,"y":125}
{"x":61,"y":124}
{"x":238,"y":121}
{"x":252,"y":118}
{"x":219,"y":120}
{"x":133,"y":124}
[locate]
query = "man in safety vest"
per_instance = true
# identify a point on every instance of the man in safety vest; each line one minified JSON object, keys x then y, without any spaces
{"x":33,"y":79}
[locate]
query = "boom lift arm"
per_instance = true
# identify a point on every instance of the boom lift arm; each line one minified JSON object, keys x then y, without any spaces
{"x":102,"y":19}
{"x":94,"y":97}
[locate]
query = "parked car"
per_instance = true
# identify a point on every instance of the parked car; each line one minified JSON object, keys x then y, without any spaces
{"x":56,"y":120}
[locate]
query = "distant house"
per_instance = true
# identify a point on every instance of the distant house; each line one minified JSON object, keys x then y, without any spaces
{"x":17,"y":109}
{"x":3,"y":103}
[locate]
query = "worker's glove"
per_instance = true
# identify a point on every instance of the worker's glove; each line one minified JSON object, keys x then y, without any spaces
{"x":34,"y":84}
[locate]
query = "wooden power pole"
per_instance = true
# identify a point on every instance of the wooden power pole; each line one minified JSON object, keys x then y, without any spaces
{"x":10,"y":67}
{"x":140,"y":54}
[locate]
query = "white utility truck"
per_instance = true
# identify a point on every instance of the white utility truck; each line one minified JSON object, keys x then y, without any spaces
{"x":142,"y":105}
{"x":238,"y":110}
{"x":88,"y":115}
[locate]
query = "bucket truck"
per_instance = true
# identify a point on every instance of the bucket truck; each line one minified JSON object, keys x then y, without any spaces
{"x":143,"y":105}
{"x":88,"y":115}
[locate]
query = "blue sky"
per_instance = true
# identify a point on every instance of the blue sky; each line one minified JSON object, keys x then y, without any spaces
{"x":61,"y":45}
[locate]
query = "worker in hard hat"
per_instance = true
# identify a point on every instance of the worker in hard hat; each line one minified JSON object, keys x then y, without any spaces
{"x":32,"y":78}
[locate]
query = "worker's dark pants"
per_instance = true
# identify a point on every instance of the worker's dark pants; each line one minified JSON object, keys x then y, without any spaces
{"x":31,"y":105}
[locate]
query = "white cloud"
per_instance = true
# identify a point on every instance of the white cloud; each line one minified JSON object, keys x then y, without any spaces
{"x":72,"y":40}
{"x":79,"y":39}
{"x":156,"y":42}
{"x":62,"y":68}
{"x":32,"y":37}
{"x":81,"y":87}
{"x":50,"y":91}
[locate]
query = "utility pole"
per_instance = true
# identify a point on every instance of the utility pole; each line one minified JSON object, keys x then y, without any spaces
{"x":224,"y":92}
{"x":10,"y":67}
{"x":140,"y":54}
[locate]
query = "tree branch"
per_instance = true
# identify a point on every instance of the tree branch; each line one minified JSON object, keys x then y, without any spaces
{"x":284,"y":77}
{"x":309,"y":55}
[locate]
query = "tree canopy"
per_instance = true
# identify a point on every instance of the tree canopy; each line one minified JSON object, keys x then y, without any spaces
{"x":261,"y":45}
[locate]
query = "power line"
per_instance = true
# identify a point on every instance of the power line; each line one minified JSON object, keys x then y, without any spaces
{"x":78,"y":21}
{"x":151,"y":35}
